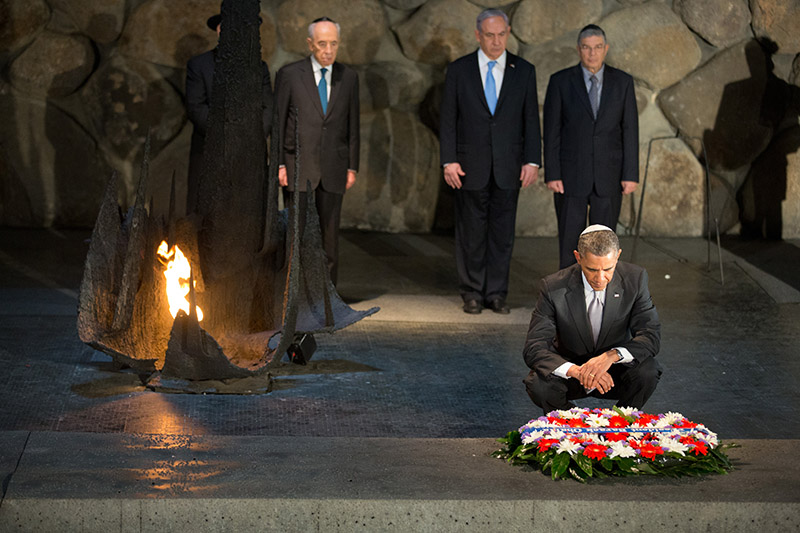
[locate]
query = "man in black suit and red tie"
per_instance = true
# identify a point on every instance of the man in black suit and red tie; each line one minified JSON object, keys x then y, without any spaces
{"x":325,"y":94}
{"x":591,"y":141}
{"x":490,"y":146}
{"x":199,"y":84}
{"x":595,"y":330}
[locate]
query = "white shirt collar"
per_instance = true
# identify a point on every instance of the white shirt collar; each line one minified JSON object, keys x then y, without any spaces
{"x":589,"y":291}
{"x":316,"y":66}
{"x":483,"y":60}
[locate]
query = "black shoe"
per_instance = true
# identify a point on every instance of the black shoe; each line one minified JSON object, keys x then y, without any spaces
{"x":472,"y":307}
{"x":498,"y":305}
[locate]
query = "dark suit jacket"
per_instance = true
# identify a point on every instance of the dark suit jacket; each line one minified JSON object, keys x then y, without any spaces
{"x":560,"y":331}
{"x":484,"y":144}
{"x":329,"y":143}
{"x":584,"y":152}
{"x":199,"y":83}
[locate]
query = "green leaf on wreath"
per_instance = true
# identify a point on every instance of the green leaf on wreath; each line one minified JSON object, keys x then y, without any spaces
{"x":559,"y":465}
{"x":584,"y":463}
{"x":626,"y":464}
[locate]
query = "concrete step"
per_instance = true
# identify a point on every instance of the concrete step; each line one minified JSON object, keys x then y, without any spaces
{"x":58,"y":481}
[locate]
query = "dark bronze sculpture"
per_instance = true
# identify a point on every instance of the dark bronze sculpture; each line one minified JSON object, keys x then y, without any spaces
{"x":259,"y":282}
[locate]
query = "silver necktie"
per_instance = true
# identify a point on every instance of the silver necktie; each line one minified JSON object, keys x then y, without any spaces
{"x":593,"y":95}
{"x":596,"y":315}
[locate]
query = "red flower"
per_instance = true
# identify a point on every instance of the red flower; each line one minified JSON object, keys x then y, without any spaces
{"x":645,"y":419}
{"x":650,"y":451}
{"x":616,"y":437}
{"x":545,"y":444}
{"x":556,"y":420}
{"x":687,"y":439}
{"x":577,"y":423}
{"x":700,"y":448}
{"x":685,"y":423}
{"x":617,"y":422}
{"x":595,"y":451}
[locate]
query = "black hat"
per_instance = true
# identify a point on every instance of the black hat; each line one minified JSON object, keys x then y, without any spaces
{"x":214,"y":21}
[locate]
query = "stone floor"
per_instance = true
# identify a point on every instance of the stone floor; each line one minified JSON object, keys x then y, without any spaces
{"x":420,"y":367}
{"x":391,"y":426}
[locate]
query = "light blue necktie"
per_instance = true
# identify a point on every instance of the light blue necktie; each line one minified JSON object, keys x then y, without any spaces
{"x":323,"y":90}
{"x":490,"y":89}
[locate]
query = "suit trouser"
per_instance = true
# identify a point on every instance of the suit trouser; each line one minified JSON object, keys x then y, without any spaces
{"x":484,"y":235}
{"x":633,"y":386}
{"x":329,"y":209}
{"x":571,"y":214}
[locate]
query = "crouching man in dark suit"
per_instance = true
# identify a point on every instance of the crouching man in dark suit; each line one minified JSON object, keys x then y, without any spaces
{"x":594,"y":331}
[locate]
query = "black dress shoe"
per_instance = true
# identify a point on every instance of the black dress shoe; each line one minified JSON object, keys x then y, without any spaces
{"x":498,"y":305}
{"x":472,"y":307}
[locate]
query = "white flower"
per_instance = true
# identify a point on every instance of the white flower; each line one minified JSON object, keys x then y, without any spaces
{"x":595,"y":438}
{"x":568,"y":446}
{"x":596,"y":420}
{"x":528,"y":438}
{"x":621,"y":449}
{"x":627,"y":411}
{"x":662,"y":423}
{"x":672,"y":417}
{"x":672,"y":445}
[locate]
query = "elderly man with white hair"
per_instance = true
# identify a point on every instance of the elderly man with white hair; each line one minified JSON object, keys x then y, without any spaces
{"x":594,"y":331}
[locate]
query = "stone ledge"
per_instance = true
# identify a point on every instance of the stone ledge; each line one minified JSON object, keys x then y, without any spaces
{"x":122,"y":482}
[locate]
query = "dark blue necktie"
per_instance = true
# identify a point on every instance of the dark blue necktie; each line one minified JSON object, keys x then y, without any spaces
{"x":490,"y":89}
{"x":323,"y":90}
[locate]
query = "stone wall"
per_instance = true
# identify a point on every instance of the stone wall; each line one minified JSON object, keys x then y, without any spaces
{"x":83,"y":81}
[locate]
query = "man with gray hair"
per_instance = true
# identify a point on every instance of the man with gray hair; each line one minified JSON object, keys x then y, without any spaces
{"x":325,"y":94}
{"x":594,"y":331}
{"x":490,"y":147}
{"x":591,"y":141}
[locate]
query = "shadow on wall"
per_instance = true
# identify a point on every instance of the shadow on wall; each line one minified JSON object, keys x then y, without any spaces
{"x":764,"y":189}
{"x":16,"y":208}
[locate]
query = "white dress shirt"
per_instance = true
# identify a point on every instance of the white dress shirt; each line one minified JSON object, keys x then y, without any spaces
{"x":497,"y":71}
{"x":318,"y":74}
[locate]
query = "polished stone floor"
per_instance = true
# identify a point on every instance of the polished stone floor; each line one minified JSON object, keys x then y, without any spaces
{"x":420,"y":367}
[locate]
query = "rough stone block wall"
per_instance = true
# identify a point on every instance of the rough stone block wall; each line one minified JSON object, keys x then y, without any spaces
{"x":83,"y":81}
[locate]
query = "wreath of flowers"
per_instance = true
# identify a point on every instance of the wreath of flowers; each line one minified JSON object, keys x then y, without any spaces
{"x":587,"y":443}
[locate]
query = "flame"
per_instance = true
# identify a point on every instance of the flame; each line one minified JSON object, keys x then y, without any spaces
{"x":178,"y":272}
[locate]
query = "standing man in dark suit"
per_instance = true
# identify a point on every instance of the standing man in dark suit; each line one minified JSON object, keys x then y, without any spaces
{"x":325,"y":94}
{"x":199,"y":83}
{"x":594,"y":331}
{"x":591,"y":141}
{"x":490,"y":147}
